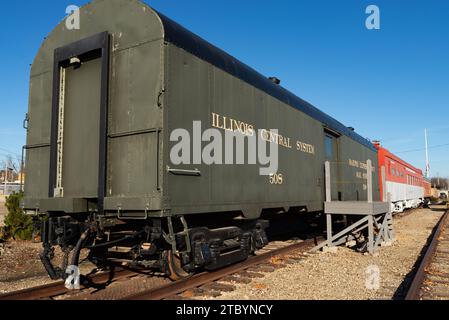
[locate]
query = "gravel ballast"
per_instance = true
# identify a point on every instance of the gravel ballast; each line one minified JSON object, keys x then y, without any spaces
{"x":21,"y":268}
{"x":347,"y":274}
{"x":341,"y":275}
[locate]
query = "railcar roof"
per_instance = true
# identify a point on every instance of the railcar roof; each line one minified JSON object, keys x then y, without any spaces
{"x":183,"y":38}
{"x":394,"y":157}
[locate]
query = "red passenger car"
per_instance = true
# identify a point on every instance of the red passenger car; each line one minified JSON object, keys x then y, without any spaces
{"x":427,"y":189}
{"x":404,"y":183}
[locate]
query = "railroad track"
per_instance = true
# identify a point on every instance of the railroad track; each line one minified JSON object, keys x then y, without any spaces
{"x":431,"y":281}
{"x":57,"y":289}
{"x":276,"y":255}
{"x":118,"y":285}
{"x":126,"y":284}
{"x":212,"y":283}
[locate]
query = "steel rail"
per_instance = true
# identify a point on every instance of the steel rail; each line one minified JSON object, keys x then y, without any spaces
{"x":58,"y":288}
{"x":198,"y":280}
{"x":419,"y":278}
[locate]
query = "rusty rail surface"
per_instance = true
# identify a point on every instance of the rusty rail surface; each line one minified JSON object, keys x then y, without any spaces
{"x":415,"y":290}
{"x":48,"y":291}
{"x":207,"y":277}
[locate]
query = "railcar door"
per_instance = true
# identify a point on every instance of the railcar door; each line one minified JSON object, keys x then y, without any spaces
{"x":80,"y":160}
{"x":80,"y":120}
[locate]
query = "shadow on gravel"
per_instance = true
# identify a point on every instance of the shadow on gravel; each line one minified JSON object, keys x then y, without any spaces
{"x":286,"y":226}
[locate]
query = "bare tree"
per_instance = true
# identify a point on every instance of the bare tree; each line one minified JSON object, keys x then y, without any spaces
{"x":12,"y":167}
{"x":440,"y":183}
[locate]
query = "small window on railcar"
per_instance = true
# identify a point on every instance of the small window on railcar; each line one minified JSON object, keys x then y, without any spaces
{"x":329,"y":145}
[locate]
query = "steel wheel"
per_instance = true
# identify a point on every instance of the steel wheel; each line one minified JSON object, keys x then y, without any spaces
{"x":176,"y":272}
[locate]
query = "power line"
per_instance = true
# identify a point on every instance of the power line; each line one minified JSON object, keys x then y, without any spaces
{"x":423,"y":149}
{"x":6,"y":155}
{"x":9,"y":151}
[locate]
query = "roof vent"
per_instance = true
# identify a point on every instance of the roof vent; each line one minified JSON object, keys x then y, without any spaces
{"x":275,"y":80}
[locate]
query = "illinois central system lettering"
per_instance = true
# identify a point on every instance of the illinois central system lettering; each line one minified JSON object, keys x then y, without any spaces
{"x":273,"y":137}
{"x":233,"y":125}
{"x":247,"y":129}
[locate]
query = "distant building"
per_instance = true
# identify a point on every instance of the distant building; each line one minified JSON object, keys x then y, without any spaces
{"x":10,"y":189}
{"x":435,"y":193}
{"x":10,"y":176}
{"x":13,"y":182}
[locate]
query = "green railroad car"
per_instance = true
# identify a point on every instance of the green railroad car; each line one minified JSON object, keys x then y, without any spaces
{"x":105,"y":103}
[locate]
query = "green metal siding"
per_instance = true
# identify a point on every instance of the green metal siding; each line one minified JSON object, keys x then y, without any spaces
{"x":142,"y":116}
{"x":135,"y":82}
{"x":135,"y":121}
{"x":195,"y":89}
{"x":37,"y":172}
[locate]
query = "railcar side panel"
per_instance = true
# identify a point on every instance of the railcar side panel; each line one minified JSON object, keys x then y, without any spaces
{"x":135,"y":125}
{"x":134,"y":117}
{"x":352,"y":179}
{"x":404,"y":183}
{"x":198,"y":91}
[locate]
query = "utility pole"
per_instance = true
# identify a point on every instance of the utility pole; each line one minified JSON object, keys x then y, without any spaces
{"x":427,"y":156}
{"x":6,"y":178}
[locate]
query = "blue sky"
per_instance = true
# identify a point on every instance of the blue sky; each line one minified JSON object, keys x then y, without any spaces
{"x":389,"y":84}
